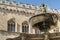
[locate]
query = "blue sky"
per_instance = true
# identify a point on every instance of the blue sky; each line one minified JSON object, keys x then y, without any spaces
{"x":55,"y":4}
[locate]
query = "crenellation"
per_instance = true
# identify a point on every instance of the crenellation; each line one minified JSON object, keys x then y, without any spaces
{"x":38,"y":8}
{"x":13,"y":3}
{"x":17,"y":7}
{"x":27,"y":5}
{"x":20,"y":5}
{"x":54,"y":11}
{"x":33,"y":7}
{"x":7,"y":2}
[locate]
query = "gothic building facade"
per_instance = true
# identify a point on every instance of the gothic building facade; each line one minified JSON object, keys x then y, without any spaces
{"x":14,"y":19}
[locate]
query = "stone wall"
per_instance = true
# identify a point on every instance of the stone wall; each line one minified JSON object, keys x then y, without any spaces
{"x":5,"y":35}
{"x":52,"y":36}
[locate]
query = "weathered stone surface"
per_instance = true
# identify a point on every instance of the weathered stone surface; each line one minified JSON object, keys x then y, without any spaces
{"x":4,"y":35}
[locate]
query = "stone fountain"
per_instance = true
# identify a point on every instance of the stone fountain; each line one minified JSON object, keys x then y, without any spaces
{"x":44,"y":22}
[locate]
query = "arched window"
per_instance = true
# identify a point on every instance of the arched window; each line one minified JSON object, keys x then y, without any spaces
{"x":11,"y":26}
{"x":25,"y":27}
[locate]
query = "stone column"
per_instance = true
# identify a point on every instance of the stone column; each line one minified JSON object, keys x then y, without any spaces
{"x":21,"y":28}
{"x":33,"y":31}
{"x":30,"y":28}
{"x":15,"y":27}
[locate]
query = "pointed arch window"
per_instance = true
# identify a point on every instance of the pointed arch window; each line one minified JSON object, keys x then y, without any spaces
{"x":25,"y":27}
{"x":11,"y":26}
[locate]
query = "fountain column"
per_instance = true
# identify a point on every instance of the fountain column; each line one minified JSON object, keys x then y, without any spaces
{"x":46,"y":36}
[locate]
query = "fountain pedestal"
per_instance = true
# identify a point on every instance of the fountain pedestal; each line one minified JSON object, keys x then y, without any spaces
{"x":46,"y":36}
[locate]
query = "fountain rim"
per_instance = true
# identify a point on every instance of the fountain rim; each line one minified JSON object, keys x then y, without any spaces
{"x":41,"y":14}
